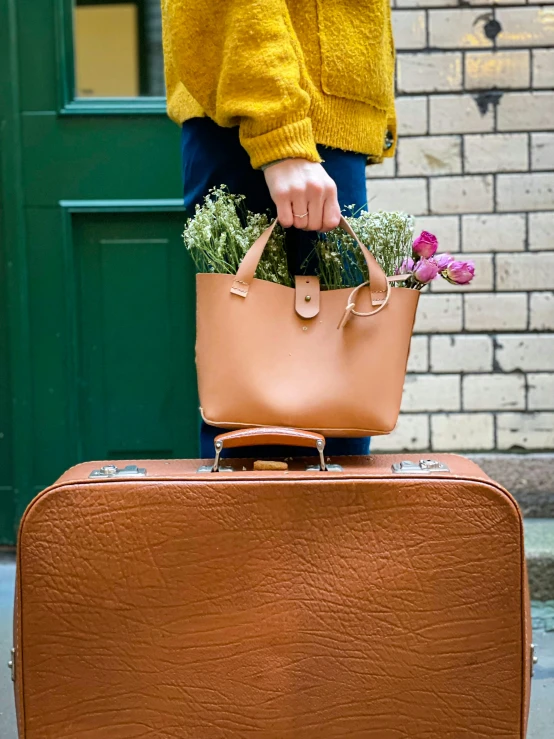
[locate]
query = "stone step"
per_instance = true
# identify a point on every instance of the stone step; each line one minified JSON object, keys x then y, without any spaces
{"x":528,"y":477}
{"x":539,"y":552}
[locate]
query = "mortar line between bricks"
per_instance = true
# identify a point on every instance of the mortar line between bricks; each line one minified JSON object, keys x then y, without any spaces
{"x":428,"y":111}
{"x":427,"y":34}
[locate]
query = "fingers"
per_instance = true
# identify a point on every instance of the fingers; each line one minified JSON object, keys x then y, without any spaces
{"x":284,"y":211}
{"x":331,"y":214}
{"x":316,"y":200}
{"x":300,"y":209}
{"x":304,"y":194}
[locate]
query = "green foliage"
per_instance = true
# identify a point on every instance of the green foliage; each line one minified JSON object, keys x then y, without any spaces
{"x":223,"y":230}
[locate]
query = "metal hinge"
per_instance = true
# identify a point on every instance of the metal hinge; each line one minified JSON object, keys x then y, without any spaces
{"x":534,"y":659}
{"x":110,"y":470}
{"x":11,"y":664}
{"x":423,"y":467}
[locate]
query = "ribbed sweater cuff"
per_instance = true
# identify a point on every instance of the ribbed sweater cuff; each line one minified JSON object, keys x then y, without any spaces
{"x":293,"y":140}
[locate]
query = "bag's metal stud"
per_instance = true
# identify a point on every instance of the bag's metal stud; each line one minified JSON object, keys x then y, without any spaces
{"x":307,"y":298}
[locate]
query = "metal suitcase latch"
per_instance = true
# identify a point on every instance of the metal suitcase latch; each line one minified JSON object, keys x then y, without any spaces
{"x":110,"y":470}
{"x":11,"y":664}
{"x":423,"y":467}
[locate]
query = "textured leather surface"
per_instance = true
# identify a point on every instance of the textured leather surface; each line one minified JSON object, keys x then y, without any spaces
{"x":260,"y":364}
{"x":278,"y":605}
{"x":269,"y":436}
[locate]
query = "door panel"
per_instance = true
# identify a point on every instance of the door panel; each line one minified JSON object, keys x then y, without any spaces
{"x":135,"y":309}
{"x":97,"y":314}
{"x":92,"y":157}
{"x":7,"y":502}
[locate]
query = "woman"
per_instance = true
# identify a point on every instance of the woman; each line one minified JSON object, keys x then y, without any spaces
{"x":285,"y":102}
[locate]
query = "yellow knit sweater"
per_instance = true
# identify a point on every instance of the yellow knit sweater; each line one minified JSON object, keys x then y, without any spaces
{"x":290,"y":73}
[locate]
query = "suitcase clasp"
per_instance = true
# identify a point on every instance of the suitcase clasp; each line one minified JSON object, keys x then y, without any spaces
{"x":110,"y":470}
{"x":423,"y":467}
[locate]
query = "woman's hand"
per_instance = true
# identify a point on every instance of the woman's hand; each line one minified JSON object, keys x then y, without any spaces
{"x":298,"y":187}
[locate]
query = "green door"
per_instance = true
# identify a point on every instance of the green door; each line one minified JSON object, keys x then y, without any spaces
{"x":97,"y":293}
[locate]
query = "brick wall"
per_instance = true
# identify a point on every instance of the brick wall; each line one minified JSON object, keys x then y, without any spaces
{"x":475,"y":164}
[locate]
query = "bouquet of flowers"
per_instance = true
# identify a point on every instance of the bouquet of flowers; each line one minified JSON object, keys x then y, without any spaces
{"x":222,"y":230}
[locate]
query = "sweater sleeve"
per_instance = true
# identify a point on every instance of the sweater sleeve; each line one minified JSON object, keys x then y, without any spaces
{"x":241,"y":61}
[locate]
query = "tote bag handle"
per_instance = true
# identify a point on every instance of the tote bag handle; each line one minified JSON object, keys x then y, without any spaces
{"x":379,"y":285}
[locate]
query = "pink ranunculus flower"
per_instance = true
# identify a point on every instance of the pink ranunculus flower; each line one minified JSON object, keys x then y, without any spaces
{"x":443,"y":260}
{"x":425,"y":270}
{"x":406,"y":266}
{"x":459,"y":273}
{"x":425,"y":245}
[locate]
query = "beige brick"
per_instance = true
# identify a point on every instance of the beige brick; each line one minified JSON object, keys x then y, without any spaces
{"x":540,"y":396}
{"x":386,"y":169}
{"x":482,"y":280}
{"x":425,"y":3}
{"x":543,"y":67}
{"x":526,"y":111}
{"x":525,"y":26}
{"x":457,"y":29}
{"x":429,"y":72}
{"x":445,"y":228}
{"x":462,"y":194}
{"x":494,"y":312}
{"x":431,"y":393}
{"x":410,"y":194}
{"x":525,"y":271}
{"x":461,"y":353}
{"x":409,"y":27}
{"x":493,"y":392}
{"x":489,"y":233}
{"x":430,"y":155}
{"x":411,"y":114}
{"x":411,"y":434}
{"x":496,"y":152}
{"x":501,"y":69}
{"x":462,"y":432}
{"x":525,"y":352}
{"x":525,"y":191}
{"x":439,"y":314}
{"x":541,"y":310}
{"x":542,"y":149}
{"x":525,"y":430}
{"x":419,"y":354}
{"x":458,"y":114}
{"x":541,"y":231}
{"x":494,"y":2}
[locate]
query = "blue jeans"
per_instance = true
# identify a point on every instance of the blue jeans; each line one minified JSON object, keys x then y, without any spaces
{"x":212,"y":156}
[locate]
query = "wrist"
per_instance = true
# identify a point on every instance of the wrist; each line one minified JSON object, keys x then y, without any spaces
{"x":275,"y":161}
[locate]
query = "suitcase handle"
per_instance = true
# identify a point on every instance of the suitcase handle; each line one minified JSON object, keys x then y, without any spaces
{"x":269,"y":435}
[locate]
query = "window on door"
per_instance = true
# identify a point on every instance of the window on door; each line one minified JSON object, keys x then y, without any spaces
{"x":118,"y":49}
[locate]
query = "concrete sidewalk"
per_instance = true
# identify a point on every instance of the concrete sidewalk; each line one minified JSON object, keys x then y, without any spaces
{"x":541,"y":724}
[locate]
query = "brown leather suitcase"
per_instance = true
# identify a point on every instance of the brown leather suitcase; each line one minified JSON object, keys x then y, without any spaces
{"x":382,"y":599}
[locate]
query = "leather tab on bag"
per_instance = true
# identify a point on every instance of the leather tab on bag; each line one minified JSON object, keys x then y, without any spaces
{"x":307,"y":295}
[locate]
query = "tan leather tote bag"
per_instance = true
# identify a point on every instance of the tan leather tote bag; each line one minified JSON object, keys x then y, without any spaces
{"x":328,"y":361}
